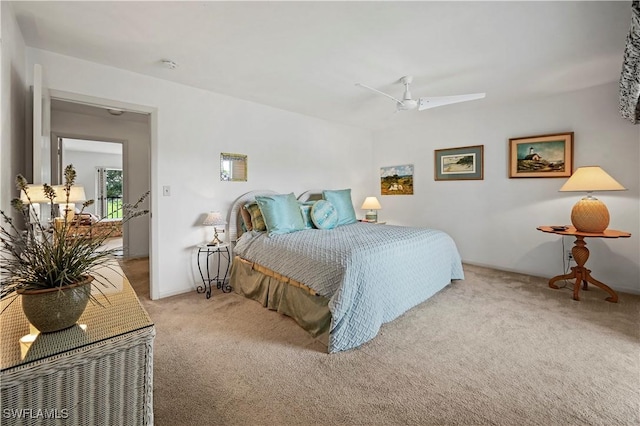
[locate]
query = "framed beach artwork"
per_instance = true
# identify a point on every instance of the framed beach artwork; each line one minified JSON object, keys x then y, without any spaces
{"x":543,"y":156}
{"x":465,"y":163}
{"x":396,"y":180}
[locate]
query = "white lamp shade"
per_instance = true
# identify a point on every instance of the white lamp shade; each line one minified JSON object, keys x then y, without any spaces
{"x":591,"y":178}
{"x":214,"y":219}
{"x":371,"y":203}
{"x":76,"y":194}
{"x":36,"y":194}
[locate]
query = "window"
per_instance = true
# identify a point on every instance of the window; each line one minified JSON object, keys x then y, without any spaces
{"x":109,"y":193}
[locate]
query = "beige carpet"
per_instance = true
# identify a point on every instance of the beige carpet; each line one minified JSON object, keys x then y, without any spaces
{"x":495,"y":349}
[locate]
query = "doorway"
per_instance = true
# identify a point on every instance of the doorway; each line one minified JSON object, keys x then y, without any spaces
{"x":87,"y":121}
{"x":99,"y":171}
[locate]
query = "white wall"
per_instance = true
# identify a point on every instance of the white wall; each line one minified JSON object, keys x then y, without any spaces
{"x":494,"y":220}
{"x":13,"y":98}
{"x":85,"y":165}
{"x":136,"y":151}
{"x":287,"y":152}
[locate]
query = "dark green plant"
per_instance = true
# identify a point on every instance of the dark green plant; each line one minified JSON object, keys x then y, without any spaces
{"x":43,"y":257}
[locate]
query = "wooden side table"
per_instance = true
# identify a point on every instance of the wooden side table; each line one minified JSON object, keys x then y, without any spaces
{"x":580,"y":253}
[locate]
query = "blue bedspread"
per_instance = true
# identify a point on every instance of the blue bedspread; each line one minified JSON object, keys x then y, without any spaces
{"x":370,"y":273}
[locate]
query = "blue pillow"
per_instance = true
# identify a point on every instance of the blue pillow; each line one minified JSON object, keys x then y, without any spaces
{"x":341,"y":199}
{"x":305,"y":208}
{"x":281,"y":213}
{"x":324,"y":215}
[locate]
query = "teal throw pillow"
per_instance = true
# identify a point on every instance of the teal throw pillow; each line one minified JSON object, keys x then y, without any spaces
{"x":324,"y":215}
{"x":281,"y":213}
{"x":341,"y":199}
{"x":305,"y":208}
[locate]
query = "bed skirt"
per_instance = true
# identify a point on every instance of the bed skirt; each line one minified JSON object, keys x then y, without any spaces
{"x":282,"y":295}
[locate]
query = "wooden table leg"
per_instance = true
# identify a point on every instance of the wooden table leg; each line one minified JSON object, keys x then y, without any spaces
{"x":589,"y":278}
{"x":581,"y":274}
{"x":562,"y":277}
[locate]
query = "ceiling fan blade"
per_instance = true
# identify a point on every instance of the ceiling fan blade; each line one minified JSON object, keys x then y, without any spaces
{"x":436,"y":101}
{"x":379,"y":92}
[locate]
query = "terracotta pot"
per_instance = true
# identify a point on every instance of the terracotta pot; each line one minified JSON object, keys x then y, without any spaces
{"x":55,"y":309}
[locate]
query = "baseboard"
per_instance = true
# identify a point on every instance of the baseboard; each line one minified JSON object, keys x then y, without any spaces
{"x":176,"y":292}
{"x":628,"y":290}
{"x":136,"y":256}
{"x":621,"y":289}
{"x":500,"y":268}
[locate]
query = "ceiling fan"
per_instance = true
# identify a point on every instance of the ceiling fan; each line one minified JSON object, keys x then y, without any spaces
{"x":407,"y":103}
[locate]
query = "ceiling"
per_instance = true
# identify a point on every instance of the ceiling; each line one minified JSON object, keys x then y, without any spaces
{"x":307,"y":56}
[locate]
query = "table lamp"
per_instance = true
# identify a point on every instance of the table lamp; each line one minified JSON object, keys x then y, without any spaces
{"x":214,"y":219}
{"x":373,"y":205}
{"x":590,"y":214}
{"x":37,"y":196}
{"x":67,"y":204}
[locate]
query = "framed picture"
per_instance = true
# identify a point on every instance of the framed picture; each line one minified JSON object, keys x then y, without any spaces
{"x":466,"y":163}
{"x":542,"y":156}
{"x":396,"y":180}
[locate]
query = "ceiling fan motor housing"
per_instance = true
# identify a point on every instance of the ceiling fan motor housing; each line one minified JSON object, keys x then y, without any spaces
{"x":407,"y":104}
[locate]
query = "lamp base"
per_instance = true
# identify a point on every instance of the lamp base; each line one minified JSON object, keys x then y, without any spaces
{"x":216,"y":241}
{"x":371,"y":215}
{"x":67,"y":210}
{"x":590,"y":215}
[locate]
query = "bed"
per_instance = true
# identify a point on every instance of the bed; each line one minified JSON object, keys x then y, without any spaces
{"x":340,"y":284}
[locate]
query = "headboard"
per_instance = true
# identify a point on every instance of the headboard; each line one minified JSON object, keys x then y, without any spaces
{"x":234,"y":220}
{"x":311,"y":195}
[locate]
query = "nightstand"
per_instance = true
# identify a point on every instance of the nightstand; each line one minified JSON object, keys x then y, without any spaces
{"x":219,"y":252}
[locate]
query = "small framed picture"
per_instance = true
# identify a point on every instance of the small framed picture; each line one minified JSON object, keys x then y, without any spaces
{"x":396,"y":180}
{"x":544,"y":156}
{"x":465,"y":163}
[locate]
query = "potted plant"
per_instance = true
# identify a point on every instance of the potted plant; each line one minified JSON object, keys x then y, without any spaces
{"x":53,"y":268}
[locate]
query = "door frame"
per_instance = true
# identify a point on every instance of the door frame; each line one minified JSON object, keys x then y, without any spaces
{"x":154,"y":266}
{"x":56,"y":167}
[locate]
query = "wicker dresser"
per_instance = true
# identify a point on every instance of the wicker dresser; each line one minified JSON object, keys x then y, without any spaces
{"x":99,"y":372}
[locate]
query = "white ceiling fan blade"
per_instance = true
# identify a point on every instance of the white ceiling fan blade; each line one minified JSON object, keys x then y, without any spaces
{"x":382,"y":93}
{"x":436,"y":101}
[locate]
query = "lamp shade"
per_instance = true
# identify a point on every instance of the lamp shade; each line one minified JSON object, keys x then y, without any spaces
{"x":591,"y":178}
{"x":590,"y":214}
{"x":76,"y":194}
{"x":36,"y":194}
{"x":371,"y":203}
{"x":214,"y":219}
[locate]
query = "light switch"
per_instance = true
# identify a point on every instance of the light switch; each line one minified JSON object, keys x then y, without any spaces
{"x":166,"y":190}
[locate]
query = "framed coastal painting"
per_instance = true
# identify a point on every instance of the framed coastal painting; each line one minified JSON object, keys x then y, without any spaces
{"x":544,"y":156}
{"x":465,"y":163}
{"x":396,"y":180}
